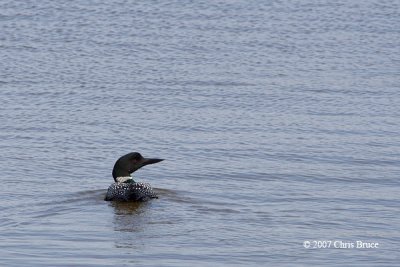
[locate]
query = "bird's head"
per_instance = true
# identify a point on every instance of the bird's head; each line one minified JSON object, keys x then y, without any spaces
{"x":129,"y":163}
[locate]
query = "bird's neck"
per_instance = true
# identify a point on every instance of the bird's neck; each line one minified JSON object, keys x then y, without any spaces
{"x":124,"y":179}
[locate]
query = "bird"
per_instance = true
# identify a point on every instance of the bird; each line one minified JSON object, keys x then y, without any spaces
{"x":125,"y":188}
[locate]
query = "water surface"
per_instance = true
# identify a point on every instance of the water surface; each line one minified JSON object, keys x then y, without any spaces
{"x":278,"y":120}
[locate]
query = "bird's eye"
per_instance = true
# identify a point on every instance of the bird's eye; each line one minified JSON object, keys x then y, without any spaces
{"x":135,"y":157}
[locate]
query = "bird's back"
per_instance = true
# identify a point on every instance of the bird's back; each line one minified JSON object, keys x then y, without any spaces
{"x":130,"y":192}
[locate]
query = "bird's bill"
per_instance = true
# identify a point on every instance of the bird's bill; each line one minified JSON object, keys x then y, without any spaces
{"x":147,"y":161}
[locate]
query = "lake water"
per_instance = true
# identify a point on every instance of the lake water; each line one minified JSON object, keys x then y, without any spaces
{"x":279,"y":122}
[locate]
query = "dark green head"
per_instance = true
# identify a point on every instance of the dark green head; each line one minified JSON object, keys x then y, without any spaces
{"x":129,"y":163}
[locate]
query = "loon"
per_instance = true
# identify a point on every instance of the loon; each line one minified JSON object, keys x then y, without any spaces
{"x":125,"y":188}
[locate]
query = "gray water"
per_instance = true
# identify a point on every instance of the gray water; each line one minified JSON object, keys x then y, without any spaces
{"x":279,"y":122}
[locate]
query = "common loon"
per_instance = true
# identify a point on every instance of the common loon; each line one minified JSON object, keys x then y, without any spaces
{"x":125,"y":188}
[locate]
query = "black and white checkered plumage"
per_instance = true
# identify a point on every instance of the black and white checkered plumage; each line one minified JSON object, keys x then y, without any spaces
{"x":124,"y":188}
{"x":131,"y":191}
